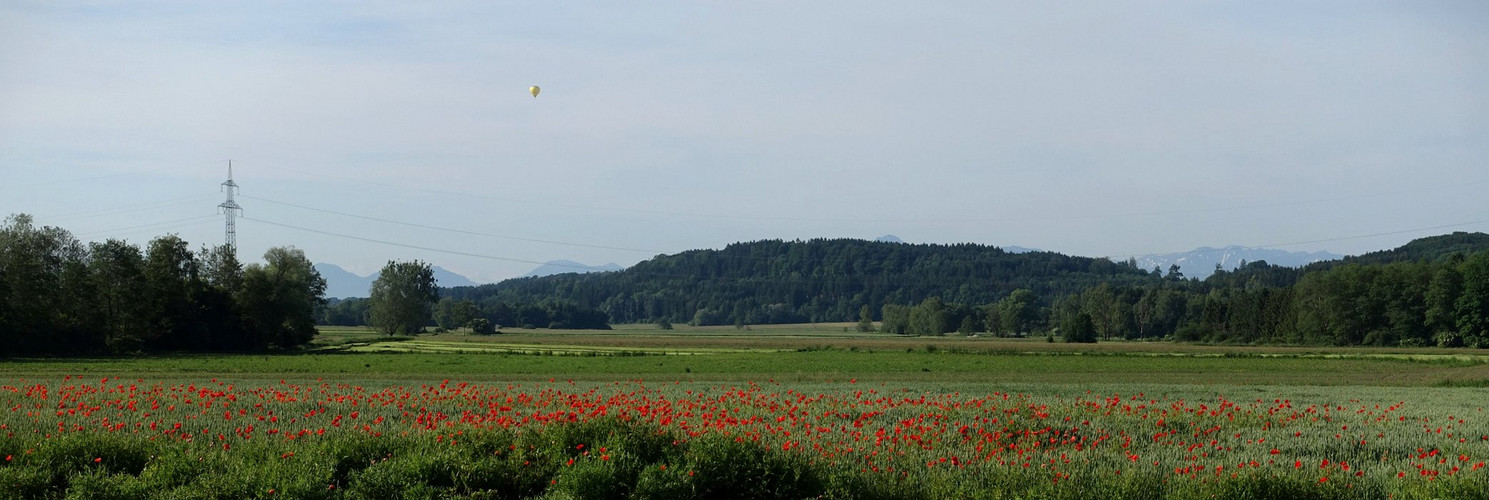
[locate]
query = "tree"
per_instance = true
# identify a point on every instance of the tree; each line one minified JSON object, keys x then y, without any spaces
{"x":865,"y":319}
{"x":221,"y":269}
{"x":222,"y":277}
{"x":1064,"y":310}
{"x":403,"y":297}
{"x":451,"y":314}
{"x":929,"y":318}
{"x":278,"y":298}
{"x":896,"y":319}
{"x":968,"y":325}
{"x":32,"y":260}
{"x":1078,"y":328}
{"x":1174,"y":274}
{"x":1168,"y":311}
{"x":1442,"y":299}
{"x":1144,"y":313}
{"x":1473,"y":302}
{"x":536,"y":316}
{"x":172,"y":276}
{"x":117,"y":269}
{"x":499,"y":313}
{"x":1019,"y":312}
{"x":343,"y":312}
{"x":991,"y":316}
{"x":1104,"y":309}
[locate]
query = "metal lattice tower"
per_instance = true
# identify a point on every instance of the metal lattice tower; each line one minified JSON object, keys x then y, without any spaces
{"x":230,"y":208}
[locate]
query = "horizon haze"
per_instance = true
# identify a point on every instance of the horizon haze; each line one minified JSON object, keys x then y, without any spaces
{"x":377,"y":131}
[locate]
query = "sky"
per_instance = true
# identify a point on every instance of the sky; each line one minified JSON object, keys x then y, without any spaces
{"x":364,"y":132}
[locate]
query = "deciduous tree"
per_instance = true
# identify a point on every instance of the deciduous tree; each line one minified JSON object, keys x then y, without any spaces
{"x":402,"y":297}
{"x":278,"y":298}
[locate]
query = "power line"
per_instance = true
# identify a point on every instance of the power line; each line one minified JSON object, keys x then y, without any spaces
{"x":455,"y":252}
{"x":746,"y":280}
{"x":509,"y":259}
{"x":1403,"y":231}
{"x":85,"y":179}
{"x":611,"y":208}
{"x":158,"y":225}
{"x":452,"y":230}
{"x":172,"y":202}
{"x":747,"y":257}
{"x":384,"y":242}
{"x":461,"y":231}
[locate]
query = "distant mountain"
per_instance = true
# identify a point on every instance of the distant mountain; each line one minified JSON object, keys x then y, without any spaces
{"x":342,"y":284}
{"x":1200,"y":263}
{"x":566,"y":266}
{"x":889,"y":238}
{"x":447,"y":278}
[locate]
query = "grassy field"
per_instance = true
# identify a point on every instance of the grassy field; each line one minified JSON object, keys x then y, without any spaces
{"x":778,"y":412}
{"x":802,"y":353}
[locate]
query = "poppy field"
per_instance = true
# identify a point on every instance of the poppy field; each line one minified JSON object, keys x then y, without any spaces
{"x":199,"y":436}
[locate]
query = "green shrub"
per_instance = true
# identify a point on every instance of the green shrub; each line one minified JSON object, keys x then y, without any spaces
{"x":656,"y":482}
{"x":25,"y":482}
{"x":725,"y":467}
{"x":97,"y":483}
{"x":349,"y":454}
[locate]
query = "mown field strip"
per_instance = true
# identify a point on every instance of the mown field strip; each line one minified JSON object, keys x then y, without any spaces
{"x":435,"y":346}
{"x":804,"y":365}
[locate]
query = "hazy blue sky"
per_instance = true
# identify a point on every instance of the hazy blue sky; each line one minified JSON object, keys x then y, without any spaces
{"x":1101,"y":128}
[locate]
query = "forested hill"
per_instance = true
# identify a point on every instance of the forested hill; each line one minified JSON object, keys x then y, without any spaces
{"x":1432,"y":248}
{"x":1429,"y":249}
{"x":819,"y":280}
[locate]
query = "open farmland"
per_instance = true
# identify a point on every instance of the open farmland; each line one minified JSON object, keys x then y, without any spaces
{"x":779,"y":413}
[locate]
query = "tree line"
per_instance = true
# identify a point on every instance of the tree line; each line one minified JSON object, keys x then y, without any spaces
{"x":1430,"y":292}
{"x":62,"y":296}
{"x":1411,"y":304}
{"x":484,"y":316}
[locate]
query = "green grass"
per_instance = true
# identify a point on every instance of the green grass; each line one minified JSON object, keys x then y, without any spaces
{"x":747,"y":398}
{"x":934,"y":364}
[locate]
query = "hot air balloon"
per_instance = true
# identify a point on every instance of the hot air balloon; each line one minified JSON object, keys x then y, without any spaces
{"x":534,"y":89}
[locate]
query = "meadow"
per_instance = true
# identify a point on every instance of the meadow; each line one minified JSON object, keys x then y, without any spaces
{"x":803,"y":412}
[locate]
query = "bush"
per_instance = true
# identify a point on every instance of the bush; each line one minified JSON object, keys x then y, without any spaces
{"x":724,"y":467}
{"x":100,"y":484}
{"x":1079,"y":329}
{"x":482,"y":326}
{"x":1191,"y":333}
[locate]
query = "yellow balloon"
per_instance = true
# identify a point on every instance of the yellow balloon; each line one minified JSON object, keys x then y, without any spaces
{"x":535,"y":91}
